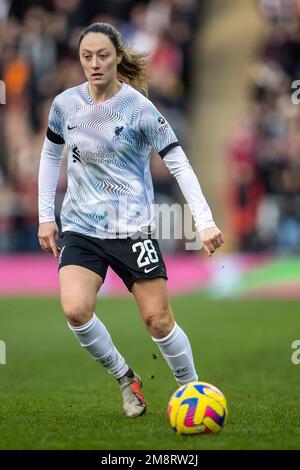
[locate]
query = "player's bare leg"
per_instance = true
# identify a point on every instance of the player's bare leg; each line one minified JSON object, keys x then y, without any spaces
{"x":79,"y":287}
{"x":152,"y":299}
{"x":78,"y":293}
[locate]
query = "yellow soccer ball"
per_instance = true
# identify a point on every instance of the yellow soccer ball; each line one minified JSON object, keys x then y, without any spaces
{"x":197,"y":408}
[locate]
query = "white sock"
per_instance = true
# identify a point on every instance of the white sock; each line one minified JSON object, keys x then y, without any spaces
{"x":176,"y":350}
{"x":94,"y":337}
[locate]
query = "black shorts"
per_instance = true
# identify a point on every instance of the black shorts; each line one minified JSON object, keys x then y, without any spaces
{"x":131,"y":258}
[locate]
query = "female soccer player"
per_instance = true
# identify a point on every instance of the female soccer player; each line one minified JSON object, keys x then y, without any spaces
{"x":109,"y":128}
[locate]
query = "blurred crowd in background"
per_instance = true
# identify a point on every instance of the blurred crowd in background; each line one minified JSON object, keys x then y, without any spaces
{"x":265,"y":151}
{"x":38,"y":60}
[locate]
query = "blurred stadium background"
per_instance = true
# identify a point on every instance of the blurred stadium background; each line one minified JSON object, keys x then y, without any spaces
{"x":222,"y":73}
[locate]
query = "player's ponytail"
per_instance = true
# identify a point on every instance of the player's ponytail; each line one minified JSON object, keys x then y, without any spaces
{"x":132,"y":68}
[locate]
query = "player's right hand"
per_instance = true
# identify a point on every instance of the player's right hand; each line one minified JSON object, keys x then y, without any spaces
{"x":48,"y":236}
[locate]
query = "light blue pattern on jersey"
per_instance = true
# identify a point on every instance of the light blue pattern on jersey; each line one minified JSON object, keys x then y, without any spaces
{"x":109,"y":181}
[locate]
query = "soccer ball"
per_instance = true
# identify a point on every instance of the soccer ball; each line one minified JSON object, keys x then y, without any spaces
{"x":197,"y":408}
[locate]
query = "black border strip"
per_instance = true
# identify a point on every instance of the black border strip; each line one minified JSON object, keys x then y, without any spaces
{"x":55,"y":138}
{"x":164,"y":152}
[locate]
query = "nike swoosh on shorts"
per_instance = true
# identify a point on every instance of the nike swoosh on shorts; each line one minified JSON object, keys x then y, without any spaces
{"x":149,"y":270}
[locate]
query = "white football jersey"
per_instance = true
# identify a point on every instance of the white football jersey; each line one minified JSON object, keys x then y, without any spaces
{"x":110,"y":187}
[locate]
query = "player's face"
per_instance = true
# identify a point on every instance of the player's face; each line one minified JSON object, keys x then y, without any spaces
{"x":99,"y":59}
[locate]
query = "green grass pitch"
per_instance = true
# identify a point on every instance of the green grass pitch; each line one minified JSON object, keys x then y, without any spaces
{"x":53,"y":396}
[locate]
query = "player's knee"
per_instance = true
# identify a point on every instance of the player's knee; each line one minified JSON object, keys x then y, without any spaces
{"x":160,"y":323}
{"x":77,"y":314}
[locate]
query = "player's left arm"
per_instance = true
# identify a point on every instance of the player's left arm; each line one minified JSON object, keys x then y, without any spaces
{"x":179,"y":166}
{"x":161,"y":137}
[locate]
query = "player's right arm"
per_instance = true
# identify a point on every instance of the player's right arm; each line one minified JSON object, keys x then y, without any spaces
{"x":49,"y":171}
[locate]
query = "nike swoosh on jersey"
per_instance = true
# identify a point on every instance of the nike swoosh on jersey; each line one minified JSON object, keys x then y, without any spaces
{"x":149,"y":270}
{"x":70,"y":128}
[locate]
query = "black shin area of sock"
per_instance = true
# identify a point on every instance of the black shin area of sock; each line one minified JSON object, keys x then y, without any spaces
{"x":129,"y":374}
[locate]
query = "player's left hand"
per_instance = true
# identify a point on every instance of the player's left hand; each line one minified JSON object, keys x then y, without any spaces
{"x":212,"y":238}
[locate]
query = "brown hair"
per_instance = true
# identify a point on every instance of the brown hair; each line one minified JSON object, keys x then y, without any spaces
{"x":133,"y":64}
